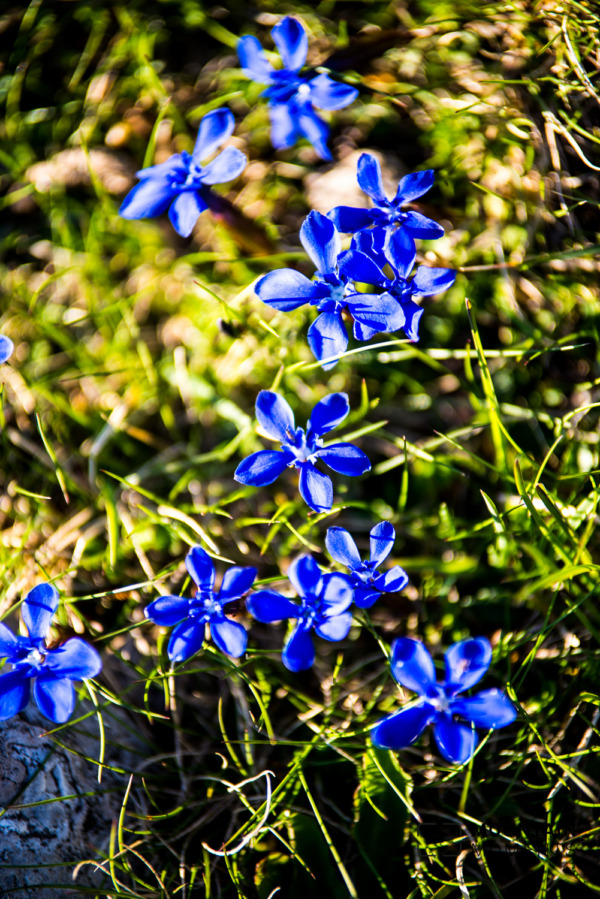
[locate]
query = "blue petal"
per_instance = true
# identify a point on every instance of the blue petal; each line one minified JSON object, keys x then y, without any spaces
{"x":368,"y":175}
{"x":375,"y":312}
{"x":365,"y":597}
{"x":381,"y":541}
{"x":168,"y":610}
{"x":456,"y":742}
{"x":39,"y":606}
{"x":392,"y":581}
{"x":215,"y":128}
{"x":229,"y":636}
{"x":14,"y":693}
{"x":413,"y":186}
{"x":337,"y":594}
{"x":274,"y":415}
{"x":314,"y":129}
{"x":345,"y":459}
{"x":329,"y":413}
{"x":466,"y":663}
{"x":400,"y":730}
{"x":291,"y":41}
{"x":75,"y":659}
{"x":285,"y":289}
{"x":328,"y":94}
{"x":413,"y":313}
{"x":341,"y":547}
{"x":419,"y":225}
{"x":185,"y":210}
{"x":349,"y":219}
{"x":6,"y":348}
{"x":429,"y":281}
{"x":356,"y":266}
{"x":321,"y":241}
{"x":335,"y":628}
{"x":236,"y":581}
{"x":306,"y":576}
{"x":54,"y":696}
{"x":253,"y":59}
{"x":316,"y":488}
{"x":147,"y":199}
{"x":262,"y":468}
{"x":268,"y":606}
{"x":412,"y":666}
{"x":327,"y":337}
{"x":490,"y":708}
{"x":224,"y":167}
{"x":8,"y":641}
{"x":176,"y":166}
{"x":284,"y":126}
{"x":299,"y":652}
{"x":401,"y":251}
{"x":363,"y":332}
{"x":186,"y":640}
{"x":200,"y":567}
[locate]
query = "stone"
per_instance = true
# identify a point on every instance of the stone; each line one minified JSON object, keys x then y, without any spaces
{"x":53,"y":812}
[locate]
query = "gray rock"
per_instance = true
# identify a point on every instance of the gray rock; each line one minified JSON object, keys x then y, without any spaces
{"x":53,"y":811}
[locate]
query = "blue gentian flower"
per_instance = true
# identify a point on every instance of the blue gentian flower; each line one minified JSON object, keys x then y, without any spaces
{"x":6,"y":348}
{"x":301,"y":450}
{"x":206,"y":607}
{"x":182,"y":184}
{"x":388,"y":214}
{"x":292,"y":98}
{"x":440,"y":703}
{"x":367,"y":582}
{"x":332,"y":291}
{"x":325,"y":599}
{"x":397,"y":250}
{"x":51,"y":669}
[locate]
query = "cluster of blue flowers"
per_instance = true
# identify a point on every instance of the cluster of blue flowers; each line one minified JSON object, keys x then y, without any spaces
{"x":381,"y":256}
{"x":325,"y":598}
{"x":374,"y":283}
{"x":324,"y":605}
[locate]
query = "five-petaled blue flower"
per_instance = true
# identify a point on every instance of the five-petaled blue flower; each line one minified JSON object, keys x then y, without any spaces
{"x":466,"y":663}
{"x":396,"y":249}
{"x":368,"y":584}
{"x":292,"y":98}
{"x":333,"y":291}
{"x":206,"y":607}
{"x":301,"y":450}
{"x":324,"y":607}
{"x":52,"y":669}
{"x":388,"y":214}
{"x":182,"y":184}
{"x":6,"y":348}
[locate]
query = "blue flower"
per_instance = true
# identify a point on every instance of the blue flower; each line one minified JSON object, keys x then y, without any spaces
{"x":52,"y":669}
{"x":292,"y":98}
{"x":466,"y":663}
{"x":301,"y":450}
{"x":397,"y":250}
{"x":6,"y":348}
{"x":388,"y":214}
{"x":368,"y":584}
{"x":333,"y":291}
{"x":206,"y":607}
{"x":182,"y":184}
{"x":325,"y":599}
